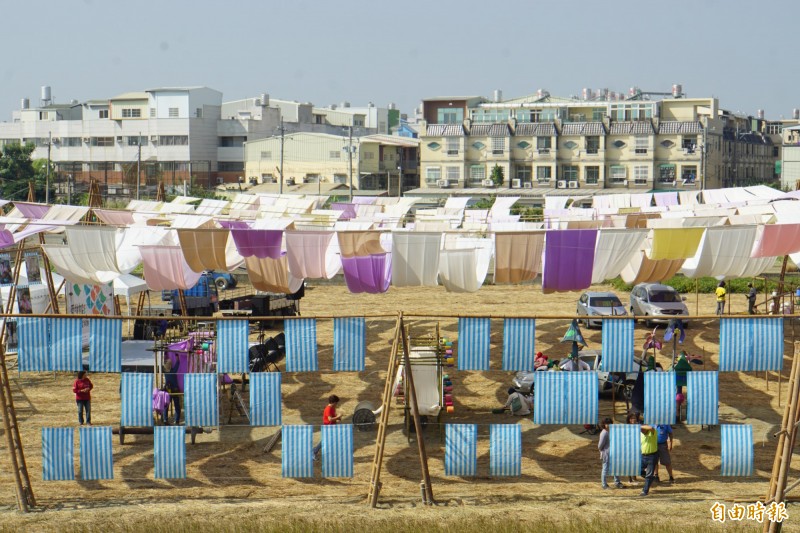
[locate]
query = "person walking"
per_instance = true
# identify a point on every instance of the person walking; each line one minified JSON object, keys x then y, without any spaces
{"x":721,"y":292}
{"x":751,"y":299}
{"x":664,"y":447}
{"x":82,"y":389}
{"x":329,"y":418}
{"x":603,"y":446}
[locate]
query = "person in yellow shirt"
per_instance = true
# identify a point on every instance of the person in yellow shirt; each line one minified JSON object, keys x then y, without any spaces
{"x":721,"y":293}
{"x":649,"y":443}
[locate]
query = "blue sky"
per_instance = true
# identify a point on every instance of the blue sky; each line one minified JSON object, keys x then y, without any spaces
{"x":742,"y":52}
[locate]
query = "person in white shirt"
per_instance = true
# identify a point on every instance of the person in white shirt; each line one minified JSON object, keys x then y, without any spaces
{"x":575,"y":363}
{"x":517,"y":403}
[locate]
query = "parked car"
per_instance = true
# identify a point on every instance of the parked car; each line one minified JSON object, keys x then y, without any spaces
{"x":599,"y":304}
{"x":657,"y":304}
{"x":523,"y":380}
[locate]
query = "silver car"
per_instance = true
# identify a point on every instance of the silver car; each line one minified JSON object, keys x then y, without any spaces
{"x":523,"y":380}
{"x":599,"y":304}
{"x":657,"y":304}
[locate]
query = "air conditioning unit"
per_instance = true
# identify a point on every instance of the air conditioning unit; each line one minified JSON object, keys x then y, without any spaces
{"x":573,"y":184}
{"x":674,"y":183}
{"x":516,"y":184}
{"x":87,"y":139}
{"x":561,"y":184}
{"x":443,"y":184}
{"x":487,"y":183}
{"x":154,"y":138}
{"x":290,"y":181}
{"x":625,"y":183}
{"x":56,"y":140}
{"x":220,"y":181}
{"x":119,"y":139}
{"x":527,"y":185}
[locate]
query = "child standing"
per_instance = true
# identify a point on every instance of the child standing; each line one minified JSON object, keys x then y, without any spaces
{"x":603,"y":446}
{"x":82,"y":389}
{"x":329,"y":418}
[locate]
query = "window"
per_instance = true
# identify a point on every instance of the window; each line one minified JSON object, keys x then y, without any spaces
{"x":369,"y":155}
{"x":642,"y":142}
{"x":312,"y":178}
{"x":524,"y":145}
{"x":266,"y":154}
{"x":524,"y":173}
{"x":667,"y":143}
{"x":152,"y":112}
{"x":640,"y":174}
{"x":543,"y":144}
{"x":618,"y":174}
{"x":689,"y":143}
{"x":543,"y":115}
{"x":688,"y":174}
{"x":543,"y":174}
{"x":231,"y":166}
{"x":102,"y":141}
{"x":198,"y":112}
{"x":340,"y":178}
{"x":592,"y":175}
{"x":70,"y":141}
{"x":137,"y":140}
{"x":452,"y":145}
{"x":619,"y":144}
{"x":319,"y":119}
{"x":666,"y":173}
{"x":173,"y":140}
{"x":571,"y":145}
{"x":335,"y":154}
{"x":131,"y":113}
{"x":103,"y":113}
{"x":435,"y":146}
{"x":592,"y":144}
{"x":477,"y":173}
{"x":490,"y":116}
{"x":449,"y":116}
{"x":358,"y":121}
{"x":498,"y":145}
{"x":173,"y":112}
{"x":453,"y":174}
{"x":570,"y":172}
{"x":432,"y":175}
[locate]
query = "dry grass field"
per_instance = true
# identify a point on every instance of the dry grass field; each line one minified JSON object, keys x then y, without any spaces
{"x":233,"y":485}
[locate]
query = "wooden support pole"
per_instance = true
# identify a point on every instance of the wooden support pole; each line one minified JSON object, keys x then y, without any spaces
{"x":423,"y":457}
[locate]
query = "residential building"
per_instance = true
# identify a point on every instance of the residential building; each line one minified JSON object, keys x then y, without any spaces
{"x":601,"y":141}
{"x":790,"y":163}
{"x":377,"y":160}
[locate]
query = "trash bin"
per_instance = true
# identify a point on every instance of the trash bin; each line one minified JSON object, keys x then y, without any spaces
{"x":363,"y":416}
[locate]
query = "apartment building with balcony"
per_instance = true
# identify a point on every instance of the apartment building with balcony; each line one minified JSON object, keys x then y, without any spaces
{"x":601,"y":141}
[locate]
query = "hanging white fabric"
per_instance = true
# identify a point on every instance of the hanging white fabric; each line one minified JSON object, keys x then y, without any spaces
{"x":94,"y":248}
{"x":614,"y":249}
{"x":463,"y":268}
{"x":415,"y":258}
{"x":724,"y":252}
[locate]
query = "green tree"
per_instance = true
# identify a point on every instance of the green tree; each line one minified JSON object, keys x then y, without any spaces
{"x":498,"y":176}
{"x":16,"y":170}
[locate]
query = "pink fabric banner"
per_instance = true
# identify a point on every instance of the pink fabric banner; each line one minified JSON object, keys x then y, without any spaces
{"x":165,"y":269}
{"x":778,"y":239}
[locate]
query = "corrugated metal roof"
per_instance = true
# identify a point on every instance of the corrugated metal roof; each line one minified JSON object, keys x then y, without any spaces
{"x":677,"y":127}
{"x":445,"y":130}
{"x":489,"y":130}
{"x":583,"y":128}
{"x":535,"y":129}
{"x":131,"y":96}
{"x":639,"y":127}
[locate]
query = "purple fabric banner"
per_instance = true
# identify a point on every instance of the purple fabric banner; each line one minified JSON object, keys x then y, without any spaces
{"x":32,"y":211}
{"x":234,"y":224}
{"x":568,"y":259}
{"x":348,"y":210}
{"x":261,"y":243}
{"x":370,"y":273}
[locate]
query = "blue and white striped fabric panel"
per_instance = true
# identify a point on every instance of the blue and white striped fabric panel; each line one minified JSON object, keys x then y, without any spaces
{"x":297,"y":458}
{"x":66,"y":337}
{"x":57,"y":452}
{"x":625,"y":449}
{"x":33,"y":347}
{"x":265,"y":399}
{"x":461,"y":450}
{"x":473,"y":343}
{"x":519,"y":343}
{"x":659,"y":398}
{"x":97,"y":461}
{"x":349,"y":344}
{"x":618,"y":354}
{"x":301,"y":345}
{"x":768,"y":344}
{"x":169,"y":452}
{"x":548,"y":397}
{"x":505,"y":450}
{"x":737,"y":450}
{"x":580,"y":397}
{"x":232,"y":346}
{"x":337,"y":450}
{"x":702,"y":398}
{"x":137,"y":400}
{"x":200,"y":397}
{"x":105,"y":345}
{"x":735,"y":344}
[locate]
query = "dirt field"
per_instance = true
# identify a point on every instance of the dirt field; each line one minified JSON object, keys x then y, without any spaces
{"x":230,"y":478}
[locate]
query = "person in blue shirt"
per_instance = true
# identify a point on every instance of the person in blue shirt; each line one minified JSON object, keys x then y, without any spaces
{"x":664,"y":447}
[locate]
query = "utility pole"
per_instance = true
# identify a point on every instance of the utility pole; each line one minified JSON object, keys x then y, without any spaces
{"x":139,"y":165}
{"x":350,"y":159}
{"x":283,"y":131}
{"x":47,"y":175}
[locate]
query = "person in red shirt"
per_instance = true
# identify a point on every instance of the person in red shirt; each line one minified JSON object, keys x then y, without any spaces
{"x":329,"y":418}
{"x":82,"y":389}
